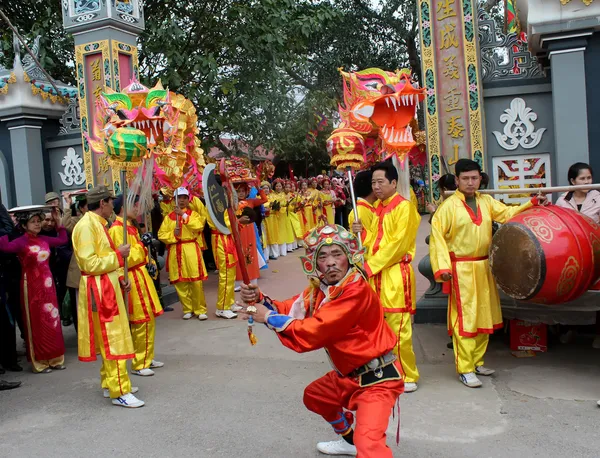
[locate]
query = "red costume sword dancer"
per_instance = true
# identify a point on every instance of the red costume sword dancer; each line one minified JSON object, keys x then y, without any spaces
{"x":341,"y":313}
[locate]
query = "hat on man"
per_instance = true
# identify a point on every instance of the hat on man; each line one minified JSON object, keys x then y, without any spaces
{"x":182,"y":192}
{"x":98,"y":194}
{"x":51,"y":196}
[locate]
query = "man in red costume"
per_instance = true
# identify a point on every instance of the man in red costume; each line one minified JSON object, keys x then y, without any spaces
{"x":341,"y":313}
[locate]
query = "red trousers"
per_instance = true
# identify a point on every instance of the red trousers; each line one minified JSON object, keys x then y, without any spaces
{"x":331,"y":394}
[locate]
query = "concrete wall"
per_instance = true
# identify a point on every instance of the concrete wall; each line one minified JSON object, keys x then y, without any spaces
{"x":57,"y":149}
{"x":537,"y":97}
{"x":592,"y":76}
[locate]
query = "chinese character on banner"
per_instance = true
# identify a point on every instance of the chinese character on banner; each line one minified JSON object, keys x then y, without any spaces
{"x":455,"y":127}
{"x":97,"y":91}
{"x":453,"y":100}
{"x":96,"y":71}
{"x":448,"y":37}
{"x":445,"y":9}
{"x":451,"y":70}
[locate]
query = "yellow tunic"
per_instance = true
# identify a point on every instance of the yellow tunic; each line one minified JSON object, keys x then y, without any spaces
{"x":366,"y":214}
{"x":293,"y":215}
{"x":392,"y":245}
{"x":274,"y":237}
{"x":196,"y":205}
{"x":143,"y":299}
{"x":286,"y":233}
{"x":185,"y":262}
{"x":100,"y":293}
{"x":223,"y":247}
{"x":328,"y":206}
{"x":459,"y":245}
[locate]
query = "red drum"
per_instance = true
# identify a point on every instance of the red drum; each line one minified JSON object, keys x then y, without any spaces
{"x":546,"y":255}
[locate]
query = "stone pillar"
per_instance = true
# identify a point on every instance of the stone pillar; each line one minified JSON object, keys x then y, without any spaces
{"x":28,"y":160}
{"x":567,"y":64}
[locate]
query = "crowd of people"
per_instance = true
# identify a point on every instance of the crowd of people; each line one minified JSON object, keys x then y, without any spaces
{"x":361,"y":269}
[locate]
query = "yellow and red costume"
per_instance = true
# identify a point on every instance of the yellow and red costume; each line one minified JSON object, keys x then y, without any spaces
{"x":273,"y":238}
{"x":144,"y":304}
{"x":293,"y":216}
{"x":366,"y":214}
{"x":223,"y":247}
{"x":459,"y":245}
{"x":392,"y":242}
{"x":286,"y":232}
{"x":347,"y":320}
{"x":168,"y":204}
{"x":103,"y":325}
{"x":184,"y":259}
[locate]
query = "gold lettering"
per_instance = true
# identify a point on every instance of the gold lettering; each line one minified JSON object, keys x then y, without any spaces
{"x":448,"y":37}
{"x":454,"y":159}
{"x":453,"y":100}
{"x":451,"y":70}
{"x":455,"y":127}
{"x":445,"y":9}
{"x":96,"y":70}
{"x":97,"y":91}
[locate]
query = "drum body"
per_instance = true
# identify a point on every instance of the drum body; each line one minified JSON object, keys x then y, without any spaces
{"x":546,"y":255}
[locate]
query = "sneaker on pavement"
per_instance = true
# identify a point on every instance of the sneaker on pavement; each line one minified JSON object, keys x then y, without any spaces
{"x":598,"y":403}
{"x":156,"y":364}
{"x":134,"y":389}
{"x":236,"y":308}
{"x":187,"y":316}
{"x":480,"y":370}
{"x":128,"y":400}
{"x":237,"y":289}
{"x":228,"y":314}
{"x":203,"y":317}
{"x":410,"y":387}
{"x":339,"y":447}
{"x":146,"y":372}
{"x":470,"y":380}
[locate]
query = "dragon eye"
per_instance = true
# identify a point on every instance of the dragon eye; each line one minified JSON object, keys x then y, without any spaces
{"x":373,"y":85}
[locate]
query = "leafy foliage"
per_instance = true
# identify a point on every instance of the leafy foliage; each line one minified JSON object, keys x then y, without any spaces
{"x":256,"y":70}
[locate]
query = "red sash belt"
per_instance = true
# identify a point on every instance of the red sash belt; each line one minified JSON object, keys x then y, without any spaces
{"x":454,"y":258}
{"x":228,"y":246}
{"x":107,"y":307}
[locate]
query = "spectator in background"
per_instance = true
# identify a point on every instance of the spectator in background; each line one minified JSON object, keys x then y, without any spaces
{"x":75,"y":210}
{"x":61,"y":257}
{"x":8,"y":337}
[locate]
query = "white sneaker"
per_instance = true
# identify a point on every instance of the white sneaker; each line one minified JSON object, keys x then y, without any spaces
{"x":228,"y":314}
{"x":134,"y":389}
{"x":410,"y":387}
{"x":187,"y":316}
{"x":203,"y":317}
{"x":470,"y":380}
{"x":480,"y":370}
{"x":237,"y":289}
{"x":598,"y":403}
{"x":128,"y":400}
{"x":155,"y":364}
{"x":143,"y":372}
{"x":236,"y":308}
{"x":339,"y":447}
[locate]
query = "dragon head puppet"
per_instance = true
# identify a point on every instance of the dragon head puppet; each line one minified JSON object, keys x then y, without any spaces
{"x":378,"y":105}
{"x":168,"y":121}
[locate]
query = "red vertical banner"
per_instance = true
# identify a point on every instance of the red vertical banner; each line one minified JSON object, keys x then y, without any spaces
{"x":125,"y":69}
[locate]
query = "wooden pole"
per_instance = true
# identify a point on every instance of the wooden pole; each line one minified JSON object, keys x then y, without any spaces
{"x":353,"y":197}
{"x":125,"y":275}
{"x":548,"y":190}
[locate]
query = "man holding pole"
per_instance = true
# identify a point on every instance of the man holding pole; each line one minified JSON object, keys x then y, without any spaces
{"x":180,"y":231}
{"x":461,"y":234}
{"x":392,"y":246}
{"x":143,"y":303}
{"x":103,"y":324}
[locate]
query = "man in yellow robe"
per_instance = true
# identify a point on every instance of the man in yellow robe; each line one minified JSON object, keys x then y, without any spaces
{"x":103,"y":325}
{"x":168,"y":205}
{"x":391,"y":242}
{"x":143,"y":301}
{"x":461,"y":234}
{"x":365,"y":199}
{"x":180,"y":231}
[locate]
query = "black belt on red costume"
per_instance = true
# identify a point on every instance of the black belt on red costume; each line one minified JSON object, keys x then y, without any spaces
{"x":374,"y":364}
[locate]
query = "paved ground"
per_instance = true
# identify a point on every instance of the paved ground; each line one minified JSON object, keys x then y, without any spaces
{"x":219,"y":397}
